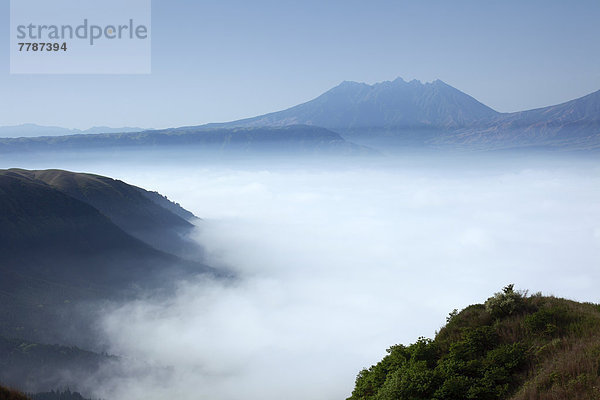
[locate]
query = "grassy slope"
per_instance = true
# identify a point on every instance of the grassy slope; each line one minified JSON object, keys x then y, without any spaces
{"x":512,"y":347}
{"x":145,"y":215}
{"x":57,"y":251}
{"x":124,"y":204}
{"x":58,"y":254}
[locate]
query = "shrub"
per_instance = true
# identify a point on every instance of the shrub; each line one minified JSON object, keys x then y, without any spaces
{"x":547,"y":321}
{"x":505,"y":303}
{"x":512,"y":347}
{"x":9,"y":394}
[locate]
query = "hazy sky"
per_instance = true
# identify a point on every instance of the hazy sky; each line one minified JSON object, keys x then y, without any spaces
{"x":223,"y":60}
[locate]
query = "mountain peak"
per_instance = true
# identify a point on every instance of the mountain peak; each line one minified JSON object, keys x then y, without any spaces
{"x":350,"y":85}
{"x":439,"y":82}
{"x":399,"y":80}
{"x":389,"y":105}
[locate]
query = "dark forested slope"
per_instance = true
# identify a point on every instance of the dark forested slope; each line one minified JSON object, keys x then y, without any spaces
{"x":57,"y":250}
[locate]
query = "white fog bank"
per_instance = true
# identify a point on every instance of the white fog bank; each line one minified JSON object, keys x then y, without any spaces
{"x":336,"y":263}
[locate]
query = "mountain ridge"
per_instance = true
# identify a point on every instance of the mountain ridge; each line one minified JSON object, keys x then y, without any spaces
{"x":385,"y":115}
{"x":396,"y":114}
{"x":67,"y":250}
{"x":574,"y":124}
{"x":289,"y":139}
{"x":57,"y":250}
{"x":414,"y":98}
{"x":34,"y":130}
{"x":147,"y":216}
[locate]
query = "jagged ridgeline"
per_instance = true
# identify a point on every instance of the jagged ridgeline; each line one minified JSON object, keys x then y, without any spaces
{"x":514,"y":346}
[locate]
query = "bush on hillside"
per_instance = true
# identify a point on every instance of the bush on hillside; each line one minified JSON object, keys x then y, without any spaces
{"x":512,"y":347}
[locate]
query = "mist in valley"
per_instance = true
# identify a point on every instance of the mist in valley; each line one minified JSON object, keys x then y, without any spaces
{"x":336,"y":260}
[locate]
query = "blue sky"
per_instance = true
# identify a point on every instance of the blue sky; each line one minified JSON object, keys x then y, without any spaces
{"x":223,"y":60}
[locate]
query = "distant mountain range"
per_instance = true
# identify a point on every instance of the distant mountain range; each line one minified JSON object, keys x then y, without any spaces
{"x":355,"y":107}
{"x":571,"y":125}
{"x":385,"y":115}
{"x":293,"y":139}
{"x":33,"y":130}
{"x":437,"y":115}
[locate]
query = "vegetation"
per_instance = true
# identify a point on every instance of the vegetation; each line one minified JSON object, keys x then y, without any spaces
{"x":513,"y":346}
{"x":58,"y":395}
{"x":62,"y":254}
{"x":9,"y":394}
{"x":35,"y":367}
{"x":58,"y":250}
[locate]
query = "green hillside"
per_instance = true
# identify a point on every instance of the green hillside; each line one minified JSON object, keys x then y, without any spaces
{"x":66,"y":240}
{"x":513,"y":346}
{"x":70,"y":242}
{"x":145,"y":215}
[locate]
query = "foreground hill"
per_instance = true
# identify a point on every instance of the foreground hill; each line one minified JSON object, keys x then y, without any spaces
{"x":9,"y":394}
{"x":57,"y":251}
{"x":145,"y":215}
{"x":512,"y":347}
{"x":69,"y":243}
{"x":37,"y":367}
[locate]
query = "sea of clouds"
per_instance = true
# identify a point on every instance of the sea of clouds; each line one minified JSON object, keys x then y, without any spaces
{"x":336,"y":261}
